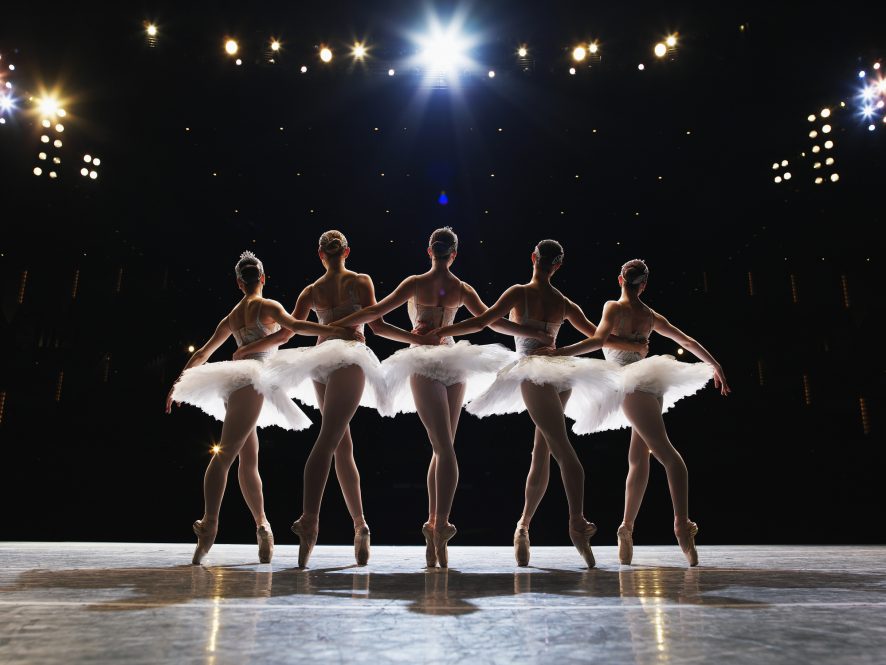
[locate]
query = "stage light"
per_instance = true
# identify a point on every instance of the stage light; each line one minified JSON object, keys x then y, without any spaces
{"x":816,"y":148}
{"x":191,"y":348}
{"x":304,"y":69}
{"x":231,"y":47}
{"x":826,"y":129}
{"x":671,"y":41}
{"x":861,"y":74}
{"x":93,"y":174}
{"x":45,"y":123}
{"x":44,"y":139}
{"x":12,"y":68}
{"x":57,"y":143}
{"x":53,"y":174}
{"x":784,"y":162}
{"x":817,"y":165}
{"x":829,"y":161}
{"x":391,"y":72}
{"x":275,"y":45}
{"x":238,"y":62}
{"x":443,"y":50}
{"x":593,"y":48}
{"x":811,"y":117}
{"x":777,"y":179}
{"x":522,"y":51}
{"x":84,"y":171}
{"x":96,"y":161}
{"x":867,"y":111}
{"x":679,"y":352}
{"x":579,"y":53}
{"x":871,"y":127}
{"x":660,"y":50}
{"x":151,"y":29}
{"x":87,"y":158}
{"x":819,"y":180}
{"x":326,"y":54}
{"x":775,"y":166}
{"x":47,"y":106}
{"x":813,"y":134}
{"x":59,"y":128}
{"x":56,"y":160}
{"x":787,"y":175}
{"x":215,"y":450}
{"x":641,"y":66}
{"x":41,"y":155}
{"x":38,"y":170}
{"x":868,"y":93}
{"x":825,"y":113}
{"x":835,"y":177}
{"x":62,"y":113}
{"x":359,"y":51}
{"x":880,"y":104}
{"x":491,"y":73}
{"x":876,"y":65}
{"x":2,"y":121}
{"x":828,"y":144}
{"x":572,"y":71}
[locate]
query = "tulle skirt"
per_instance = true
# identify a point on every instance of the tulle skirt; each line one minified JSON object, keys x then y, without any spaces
{"x":292,"y":372}
{"x":475,"y":365}
{"x":663,"y":376}
{"x":595,"y":386}
{"x":208,"y":387}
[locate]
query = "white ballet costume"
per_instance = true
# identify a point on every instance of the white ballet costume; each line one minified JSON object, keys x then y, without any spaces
{"x":594,"y":383}
{"x":662,"y":375}
{"x":208,"y":386}
{"x":475,"y":365}
{"x":293,"y":371}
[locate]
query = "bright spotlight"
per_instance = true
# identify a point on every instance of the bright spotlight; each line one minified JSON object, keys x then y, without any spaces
{"x":391,"y":72}
{"x":787,"y":175}
{"x":84,"y":171}
{"x":825,"y":113}
{"x":96,"y":161}
{"x":861,"y":74}
{"x":579,"y":53}
{"x":777,"y":179}
{"x":671,"y":41}
{"x":231,"y":47}
{"x":359,"y":51}
{"x":660,"y":50}
{"x":867,"y":111}
{"x":151,"y":30}
{"x":62,"y":113}
{"x":811,"y":117}
{"x":41,"y":155}
{"x":572,"y":71}
{"x":784,"y":162}
{"x":304,"y":69}
{"x":190,"y":348}
{"x":522,"y":51}
{"x":641,"y":66}
{"x":871,"y":127}
{"x":215,"y":450}
{"x":47,"y":106}
{"x":44,"y":139}
{"x":275,"y":45}
{"x":491,"y":73}
{"x":593,"y":48}
{"x":828,"y":145}
{"x":93,"y":175}
{"x":443,"y":51}
{"x":326,"y":54}
{"x":835,"y":177}
{"x":57,"y":143}
{"x":825,"y":129}
{"x":829,"y":161}
{"x":6,"y":103}
{"x":87,"y":158}
{"x":38,"y":170}
{"x":59,"y":128}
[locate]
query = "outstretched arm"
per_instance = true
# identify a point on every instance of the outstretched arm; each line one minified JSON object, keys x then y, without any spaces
{"x":391,"y":301}
{"x":384,"y":329}
{"x":665,"y":328}
{"x":598,"y":339}
{"x":300,"y":311}
{"x":309,"y":328}
{"x":476,"y":306}
{"x":503,"y":305}
{"x":580,"y":322}
{"x":201,"y":355}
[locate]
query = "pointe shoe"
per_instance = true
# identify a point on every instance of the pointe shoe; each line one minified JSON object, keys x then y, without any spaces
{"x":205,"y":540}
{"x":686,"y":537}
{"x":430,"y":553}
{"x":521,"y":545}
{"x":361,"y":544}
{"x":265,"y":538}
{"x":581,"y":539}
{"x":306,"y":541}
{"x":442,"y":536}
{"x":625,"y":545}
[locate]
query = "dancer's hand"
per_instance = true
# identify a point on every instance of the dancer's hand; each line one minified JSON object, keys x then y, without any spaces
{"x":239,"y":354}
{"x":543,"y":351}
{"x":642,"y":348}
{"x":545,"y":338}
{"x":349,"y":334}
{"x":720,"y":381}
{"x":170,"y":401}
{"x":428,"y":339}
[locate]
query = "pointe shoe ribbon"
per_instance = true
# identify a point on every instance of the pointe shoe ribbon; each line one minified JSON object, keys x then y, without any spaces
{"x":521,"y":545}
{"x":625,"y":545}
{"x":581,"y":539}
{"x":686,"y":533}
{"x":361,"y":544}
{"x":306,"y":541}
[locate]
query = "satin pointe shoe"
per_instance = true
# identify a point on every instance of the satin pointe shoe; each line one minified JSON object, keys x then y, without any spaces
{"x":430,"y":553}
{"x":306,"y":541}
{"x":625,"y":545}
{"x":686,"y":537}
{"x":361,"y":544}
{"x":442,"y":536}
{"x":581,"y":539}
{"x":205,"y":539}
{"x":521,"y":544}
{"x":265,"y":538}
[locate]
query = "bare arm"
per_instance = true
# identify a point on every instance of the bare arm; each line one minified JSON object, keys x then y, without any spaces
{"x":598,"y":339}
{"x":201,"y":355}
{"x":384,"y":329}
{"x":391,"y":301}
{"x":300,"y":311}
{"x":476,"y":306}
{"x":665,"y":328}
{"x":503,"y":305}
{"x":580,"y":322}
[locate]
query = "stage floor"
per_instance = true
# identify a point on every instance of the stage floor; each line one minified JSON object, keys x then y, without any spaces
{"x":143,"y":603}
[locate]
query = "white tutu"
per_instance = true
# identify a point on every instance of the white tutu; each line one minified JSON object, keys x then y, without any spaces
{"x":663,"y":376}
{"x":291,"y":372}
{"x":595,"y":386}
{"x":208,"y":387}
{"x":473,"y":364}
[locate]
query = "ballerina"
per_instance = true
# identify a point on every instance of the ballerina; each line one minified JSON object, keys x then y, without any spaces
{"x":434,"y":377}
{"x":234,"y":391}
{"x":543,"y":387}
{"x":651,"y":386}
{"x":336,"y":377}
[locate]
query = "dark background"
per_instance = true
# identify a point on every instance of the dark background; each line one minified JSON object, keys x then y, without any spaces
{"x":674,"y":165}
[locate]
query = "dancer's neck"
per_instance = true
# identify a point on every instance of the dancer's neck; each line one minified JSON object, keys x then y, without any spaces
{"x":439,"y":266}
{"x":629,"y":296}
{"x":541,"y":276}
{"x":335,"y":267}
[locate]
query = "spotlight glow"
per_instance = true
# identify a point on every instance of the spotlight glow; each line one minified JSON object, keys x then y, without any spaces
{"x":579,"y":53}
{"x":96,"y":161}
{"x":38,"y":170}
{"x":444,"y":50}
{"x":491,"y":73}
{"x":811,"y":117}
{"x":828,"y":144}
{"x":876,"y":65}
{"x":861,"y":74}
{"x":660,"y":50}
{"x":87,"y":158}
{"x":231,"y":47}
{"x":44,"y":139}
{"x":825,"y":129}
{"x":835,"y":177}
{"x":304,"y":69}
{"x":57,"y":143}
{"x":641,"y":66}
{"x":813,"y":134}
{"x":825,"y":113}
{"x":47,"y":106}
{"x":45,"y":122}
{"x":53,"y":174}
{"x":59,"y":128}
{"x":777,"y":179}
{"x":572,"y":71}
{"x":829,"y":161}
{"x":151,"y":29}
{"x":522,"y":51}
{"x":775,"y":166}
{"x":871,"y":127}
{"x":41,"y":155}
{"x":190,"y":348}
{"x":787,"y":175}
{"x":215,"y":450}
{"x":275,"y":45}
{"x":93,"y":175}
{"x":819,"y":180}
{"x":671,"y":41}
{"x":784,"y":162}
{"x":326,"y":54}
{"x":84,"y":171}
{"x":391,"y":72}
{"x":359,"y":51}
{"x":593,"y":48}
{"x":816,"y":148}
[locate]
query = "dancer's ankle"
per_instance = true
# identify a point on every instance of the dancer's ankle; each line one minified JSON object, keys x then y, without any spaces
{"x":209,"y":521}
{"x":577,"y":521}
{"x":627,"y":525}
{"x":523,"y":522}
{"x":681,"y":521}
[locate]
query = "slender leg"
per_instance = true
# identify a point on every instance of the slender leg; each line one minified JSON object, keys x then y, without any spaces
{"x":250,"y":480}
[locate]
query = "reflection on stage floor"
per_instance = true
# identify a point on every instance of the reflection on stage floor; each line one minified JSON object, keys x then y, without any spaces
{"x":144,"y":603}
